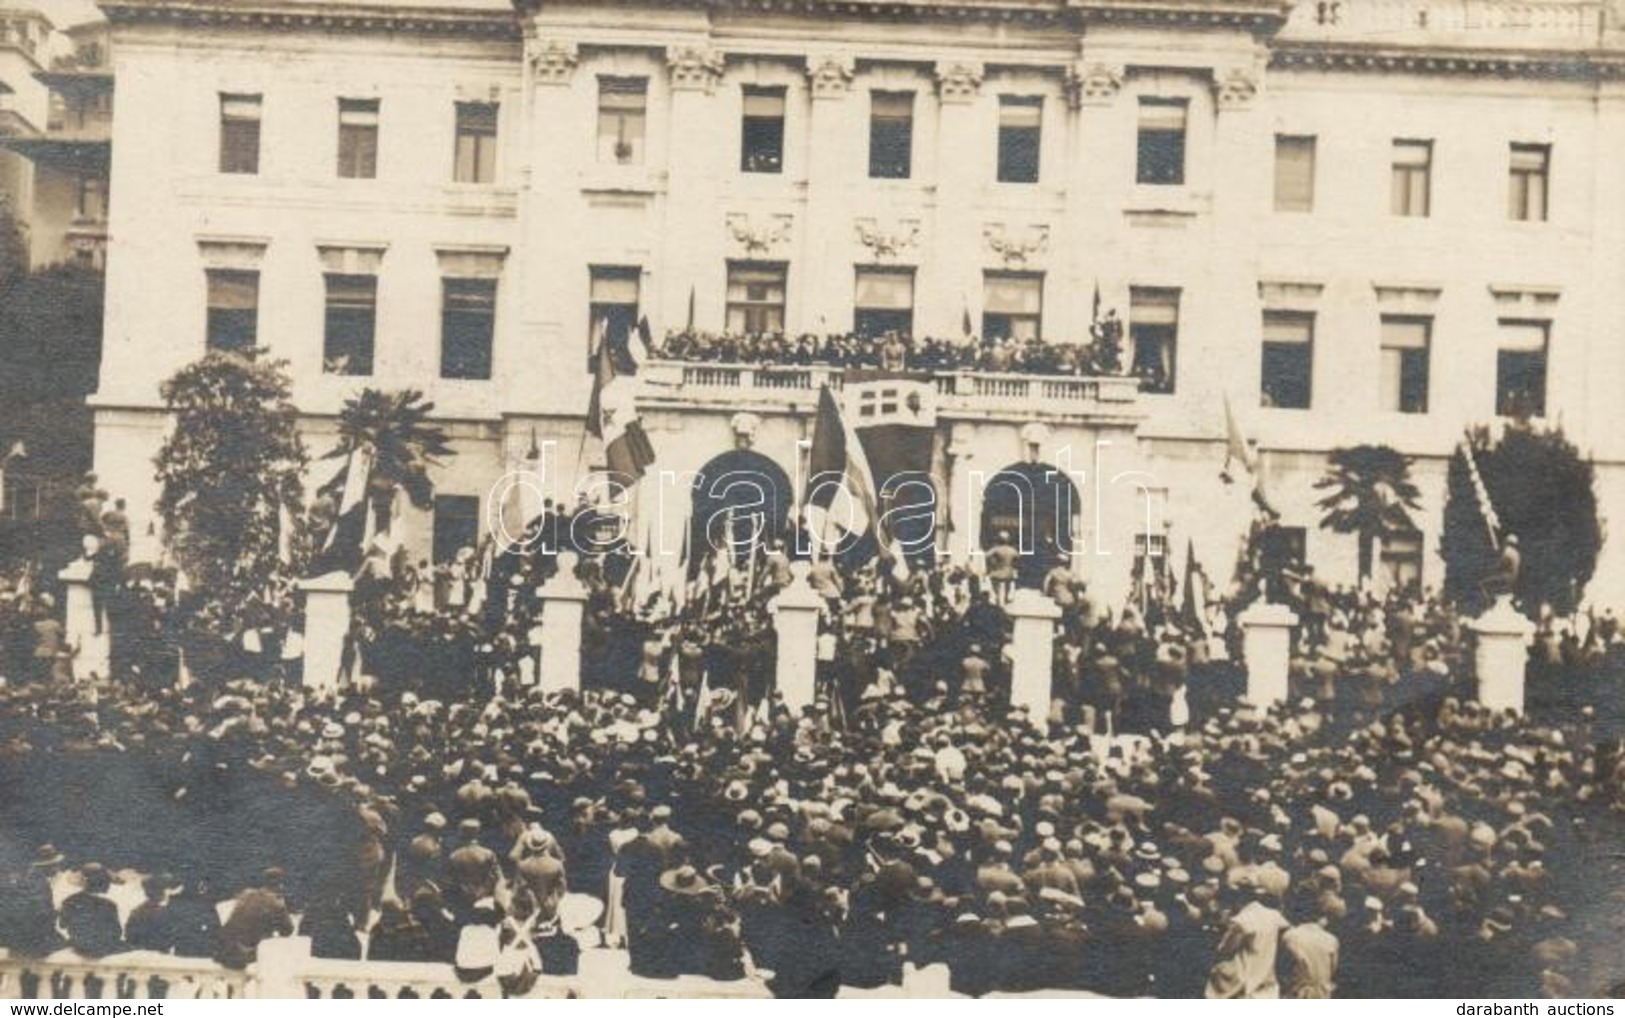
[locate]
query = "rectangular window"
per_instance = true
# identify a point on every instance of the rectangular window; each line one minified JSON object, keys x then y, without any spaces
{"x":1020,"y":119}
{"x":1161,"y":157}
{"x":623,"y":113}
{"x":1412,"y":178}
{"x":891,"y":135}
{"x":1153,"y":332}
{"x":1402,"y":560}
{"x":351,"y":324}
{"x":1012,"y":305}
{"x":762,"y":131}
{"x":456,"y":525}
{"x":1288,"y":360}
{"x":358,"y":138}
{"x":90,"y":201}
{"x":612,"y":307}
{"x":1530,"y":168}
{"x":468,"y":310}
{"x":1405,"y":346}
{"x":884,"y":301}
{"x":1294,"y":173}
{"x":756,"y":297}
{"x":475,"y":159}
{"x":234,"y":309}
{"x":1520,"y":369}
{"x":239,"y":134}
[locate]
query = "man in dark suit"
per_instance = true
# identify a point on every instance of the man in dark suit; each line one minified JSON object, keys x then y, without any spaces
{"x":90,"y":918}
{"x":260,"y":912}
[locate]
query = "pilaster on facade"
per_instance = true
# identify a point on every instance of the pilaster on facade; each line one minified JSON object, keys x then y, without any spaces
{"x":829,"y":75}
{"x":694,"y":68}
{"x":959,"y":81}
{"x":552,"y":61}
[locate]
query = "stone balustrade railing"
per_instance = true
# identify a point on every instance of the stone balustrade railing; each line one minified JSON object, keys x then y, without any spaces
{"x":979,"y":393}
{"x":135,"y":975}
{"x":287,"y":970}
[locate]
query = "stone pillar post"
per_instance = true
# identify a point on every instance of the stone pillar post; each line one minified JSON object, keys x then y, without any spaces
{"x":92,"y":650}
{"x":949,"y":282}
{"x":1267,"y":646}
{"x":795,"y":620}
{"x":698,"y":159}
{"x":1032,"y":652}
{"x":564,"y":602}
{"x":279,"y":966}
{"x":1501,"y":655}
{"x":327,"y":626}
{"x":827,"y":296}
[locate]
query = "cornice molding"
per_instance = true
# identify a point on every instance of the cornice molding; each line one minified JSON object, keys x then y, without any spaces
{"x":335,"y":17}
{"x":1542,"y":64}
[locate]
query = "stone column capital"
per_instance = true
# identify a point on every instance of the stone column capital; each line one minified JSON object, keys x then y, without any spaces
{"x":694,"y":68}
{"x":1093,"y":84}
{"x":1235,"y":88}
{"x":829,"y":75}
{"x":958,"y":81}
{"x":552,"y":61}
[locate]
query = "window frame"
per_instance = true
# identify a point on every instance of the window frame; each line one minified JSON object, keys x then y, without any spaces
{"x":1013,"y":318}
{"x":761,"y":138}
{"x":1522,"y":181}
{"x":1174,"y":143}
{"x":465,"y":355}
{"x":872,"y":320}
{"x":358,"y":138}
{"x":624,"y":114}
{"x":619,"y":316}
{"x":223,"y":318}
{"x":1283,"y":349}
{"x":1410,"y":194}
{"x":892,"y":165}
{"x":1164,"y":334}
{"x":1019,"y":159}
{"x":481,"y":138}
{"x":1506,"y":355}
{"x":334,"y":320}
{"x":748,"y":308}
{"x":1296,"y":196}
{"x":1407,"y":362}
{"x":232,"y":125}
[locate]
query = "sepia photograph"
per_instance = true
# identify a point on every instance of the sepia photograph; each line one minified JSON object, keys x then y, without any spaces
{"x":855,"y":499}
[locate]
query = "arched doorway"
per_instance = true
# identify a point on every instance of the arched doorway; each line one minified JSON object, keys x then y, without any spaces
{"x":1036,"y":505}
{"x":741,"y":500}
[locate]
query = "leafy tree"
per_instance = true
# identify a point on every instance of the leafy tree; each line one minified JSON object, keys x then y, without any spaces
{"x":1369,"y":495}
{"x":1543,"y":491}
{"x":13,"y":245}
{"x":231,"y":474}
{"x":396,"y":433}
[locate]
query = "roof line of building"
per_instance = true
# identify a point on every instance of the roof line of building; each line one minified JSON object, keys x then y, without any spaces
{"x":335,"y":16}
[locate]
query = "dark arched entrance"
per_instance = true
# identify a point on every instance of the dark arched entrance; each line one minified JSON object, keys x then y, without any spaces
{"x":1036,"y":505}
{"x":741,"y":500}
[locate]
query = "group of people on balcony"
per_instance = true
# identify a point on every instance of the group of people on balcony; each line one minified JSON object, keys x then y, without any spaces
{"x":898,"y":351}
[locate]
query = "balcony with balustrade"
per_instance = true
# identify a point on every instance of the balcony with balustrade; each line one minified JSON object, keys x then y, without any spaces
{"x":1477,"y":24}
{"x":968,"y":395}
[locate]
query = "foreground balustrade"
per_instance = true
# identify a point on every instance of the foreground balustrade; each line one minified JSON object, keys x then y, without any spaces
{"x":287,"y":970}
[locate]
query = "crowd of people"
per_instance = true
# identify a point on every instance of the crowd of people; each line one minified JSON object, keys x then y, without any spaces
{"x":896,"y":351}
{"x":1379,"y":835}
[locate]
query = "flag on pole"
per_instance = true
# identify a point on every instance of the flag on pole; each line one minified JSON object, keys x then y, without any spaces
{"x":1235,"y":444}
{"x":1094,"y":314}
{"x":1481,"y":494}
{"x":1193,"y":602}
{"x":612,"y":414}
{"x":837,"y":461}
{"x":964,"y":321}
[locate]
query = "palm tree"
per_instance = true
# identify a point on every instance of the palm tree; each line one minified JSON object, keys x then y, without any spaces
{"x":401,"y":442}
{"x":1371,"y":496}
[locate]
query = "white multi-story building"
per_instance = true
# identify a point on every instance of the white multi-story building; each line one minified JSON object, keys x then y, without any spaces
{"x":1354,"y":220}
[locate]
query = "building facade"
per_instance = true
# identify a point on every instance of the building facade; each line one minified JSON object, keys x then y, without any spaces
{"x":56,"y":126}
{"x":1350,"y":220}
